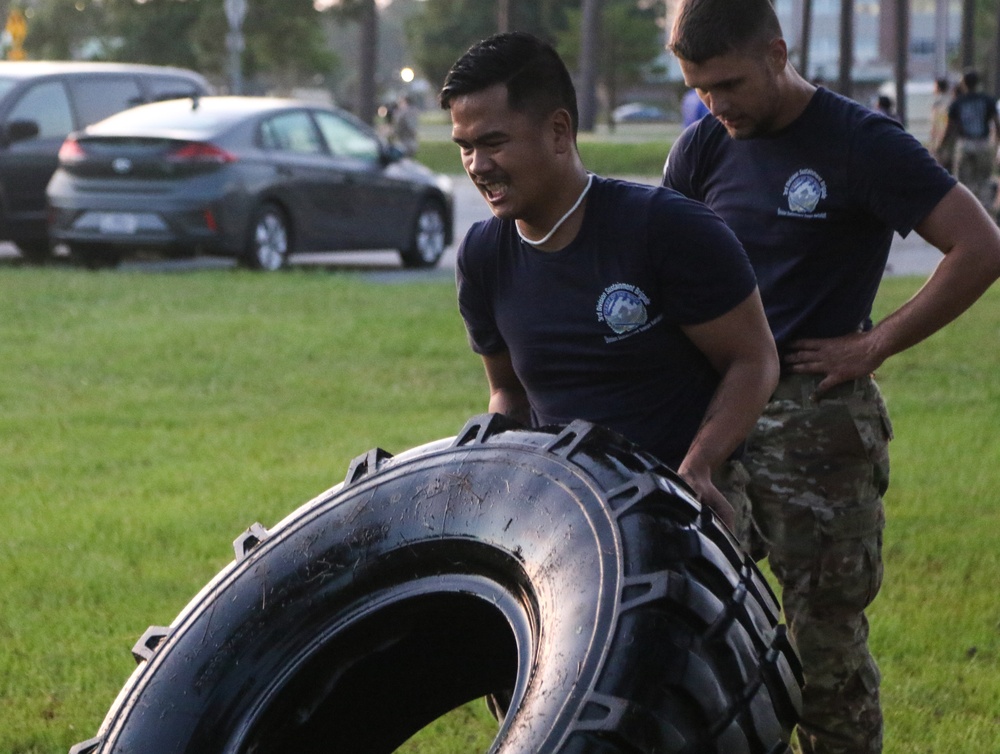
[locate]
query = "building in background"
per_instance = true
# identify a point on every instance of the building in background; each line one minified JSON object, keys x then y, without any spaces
{"x":931,"y":28}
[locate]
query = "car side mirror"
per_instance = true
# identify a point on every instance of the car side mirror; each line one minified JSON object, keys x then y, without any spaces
{"x":391,"y":153}
{"x":19,"y":130}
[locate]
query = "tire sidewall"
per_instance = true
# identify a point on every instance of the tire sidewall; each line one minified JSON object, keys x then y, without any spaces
{"x":561,"y":538}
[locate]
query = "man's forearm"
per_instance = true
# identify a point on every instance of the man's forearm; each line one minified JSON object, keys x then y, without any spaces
{"x":737,"y":404}
{"x":511,"y":403}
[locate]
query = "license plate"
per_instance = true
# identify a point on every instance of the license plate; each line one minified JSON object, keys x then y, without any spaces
{"x":121,"y":223}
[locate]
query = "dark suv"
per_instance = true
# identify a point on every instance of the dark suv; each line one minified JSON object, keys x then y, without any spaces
{"x":40,"y":104}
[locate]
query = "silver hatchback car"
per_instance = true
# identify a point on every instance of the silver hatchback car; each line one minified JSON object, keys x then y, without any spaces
{"x":255,"y":178}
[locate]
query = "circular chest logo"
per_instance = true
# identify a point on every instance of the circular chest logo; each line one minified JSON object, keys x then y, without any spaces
{"x":623,"y":307}
{"x":804,"y":191}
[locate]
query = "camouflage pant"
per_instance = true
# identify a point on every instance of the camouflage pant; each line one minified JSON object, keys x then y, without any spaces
{"x":815,"y":472}
{"x":972,"y":164}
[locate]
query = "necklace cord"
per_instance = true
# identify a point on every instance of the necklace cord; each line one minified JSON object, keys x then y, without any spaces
{"x":564,"y":218}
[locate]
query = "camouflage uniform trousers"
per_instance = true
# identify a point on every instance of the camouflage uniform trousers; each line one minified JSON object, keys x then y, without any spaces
{"x":972,"y":164}
{"x":814,"y":473}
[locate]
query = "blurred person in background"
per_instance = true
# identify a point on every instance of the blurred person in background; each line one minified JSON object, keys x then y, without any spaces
{"x":974,"y":126}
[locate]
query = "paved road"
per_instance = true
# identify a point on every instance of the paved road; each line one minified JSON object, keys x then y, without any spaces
{"x":910,"y":256}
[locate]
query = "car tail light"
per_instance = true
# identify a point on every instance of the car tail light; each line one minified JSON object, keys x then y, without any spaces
{"x":71,"y":151}
{"x":199,"y":151}
{"x":210,"y":221}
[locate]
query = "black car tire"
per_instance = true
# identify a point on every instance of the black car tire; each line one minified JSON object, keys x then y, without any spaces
{"x":94,"y":256}
{"x":427,"y":239}
{"x":270,"y":239}
{"x":34,"y":252}
{"x":556,"y":568}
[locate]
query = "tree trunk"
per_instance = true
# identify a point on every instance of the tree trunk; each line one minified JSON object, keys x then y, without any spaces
{"x":968,"y":33}
{"x":590,"y":32}
{"x":902,"y":56}
{"x":941,"y":38}
{"x":995,"y":84}
{"x":503,"y":16}
{"x":806,"y":40}
{"x":845,"y":83}
{"x":367,"y":85}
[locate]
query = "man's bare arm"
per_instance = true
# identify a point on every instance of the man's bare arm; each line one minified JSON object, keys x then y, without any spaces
{"x":970,"y":241}
{"x":507,"y":394}
{"x":740,"y":347}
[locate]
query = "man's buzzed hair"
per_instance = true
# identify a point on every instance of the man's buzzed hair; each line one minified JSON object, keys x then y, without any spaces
{"x":705,"y":29}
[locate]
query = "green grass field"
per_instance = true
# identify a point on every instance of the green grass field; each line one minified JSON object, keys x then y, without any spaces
{"x":147,"y":419}
{"x":600,"y":157}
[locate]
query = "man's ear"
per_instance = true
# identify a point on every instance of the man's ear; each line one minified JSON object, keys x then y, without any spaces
{"x":561,"y":125}
{"x":777,"y":54}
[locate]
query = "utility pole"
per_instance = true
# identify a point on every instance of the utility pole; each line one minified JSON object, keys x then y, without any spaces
{"x":236,"y":11}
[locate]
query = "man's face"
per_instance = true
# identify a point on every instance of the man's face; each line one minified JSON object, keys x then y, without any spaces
{"x":740,"y":89}
{"x":507,"y":154}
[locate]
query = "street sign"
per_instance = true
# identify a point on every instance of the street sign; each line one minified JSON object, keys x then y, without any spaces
{"x":17,"y":28}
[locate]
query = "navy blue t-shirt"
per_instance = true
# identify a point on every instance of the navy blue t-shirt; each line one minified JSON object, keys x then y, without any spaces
{"x":594,"y":329}
{"x":815,"y":206}
{"x":973,"y":113}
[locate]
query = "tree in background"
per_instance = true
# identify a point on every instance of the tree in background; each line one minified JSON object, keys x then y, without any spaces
{"x":985,"y":42}
{"x":64,"y":29}
{"x":630,"y":38}
{"x":151,"y":32}
{"x":444,"y":29}
{"x":285,"y":41}
{"x":290,"y":43}
{"x":365,"y":14}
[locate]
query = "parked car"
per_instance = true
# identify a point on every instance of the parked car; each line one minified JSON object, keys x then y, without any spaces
{"x":256,"y":178}
{"x":40,"y":104}
{"x":637,"y":112}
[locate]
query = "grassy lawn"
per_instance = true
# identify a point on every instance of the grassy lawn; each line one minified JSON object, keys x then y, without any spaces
{"x":603,"y":158}
{"x":146,"y":420}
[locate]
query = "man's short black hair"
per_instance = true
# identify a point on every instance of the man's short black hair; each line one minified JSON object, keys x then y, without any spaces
{"x":970,"y":79}
{"x":705,"y":29}
{"x":535,"y":76}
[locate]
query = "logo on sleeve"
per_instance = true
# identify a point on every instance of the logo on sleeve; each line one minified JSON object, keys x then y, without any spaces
{"x":804,"y":191}
{"x":623,"y":308}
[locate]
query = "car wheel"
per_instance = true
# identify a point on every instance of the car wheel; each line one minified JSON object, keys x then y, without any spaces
{"x":94,"y":256}
{"x":557,"y":570}
{"x":427,"y":239}
{"x":270,"y":240}
{"x":34,"y":252}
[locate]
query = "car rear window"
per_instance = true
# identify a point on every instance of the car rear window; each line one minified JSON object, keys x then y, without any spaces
{"x":171,"y":87}
{"x":97,"y":98}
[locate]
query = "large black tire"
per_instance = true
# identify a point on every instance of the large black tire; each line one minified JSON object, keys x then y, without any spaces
{"x":559,"y":564}
{"x":35,"y":251}
{"x":94,"y":256}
